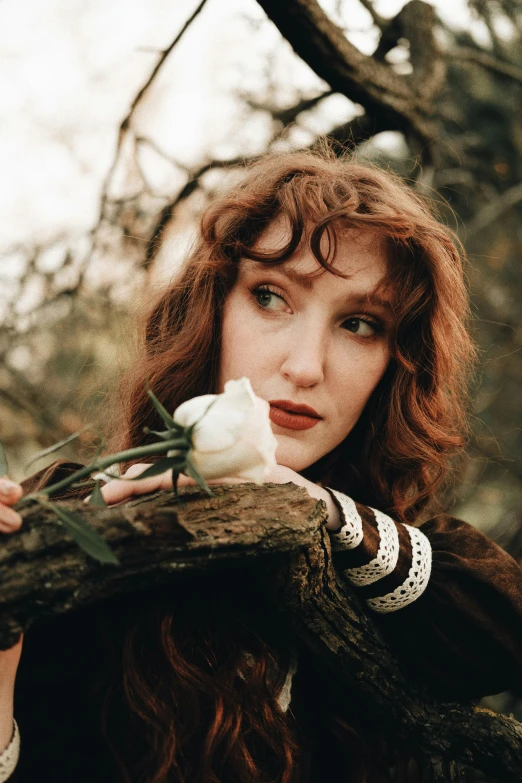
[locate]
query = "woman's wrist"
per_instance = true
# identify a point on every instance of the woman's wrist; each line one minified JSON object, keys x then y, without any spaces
{"x":9,"y":660}
{"x":334,"y":517}
{"x":6,"y":713}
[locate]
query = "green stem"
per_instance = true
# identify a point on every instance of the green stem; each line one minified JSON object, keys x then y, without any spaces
{"x":100,"y":464}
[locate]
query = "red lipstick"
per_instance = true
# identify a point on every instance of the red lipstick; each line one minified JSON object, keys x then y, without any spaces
{"x":293,"y":416}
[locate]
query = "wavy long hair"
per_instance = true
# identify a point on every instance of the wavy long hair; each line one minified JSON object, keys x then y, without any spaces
{"x":180,"y":685}
{"x":398,"y":454}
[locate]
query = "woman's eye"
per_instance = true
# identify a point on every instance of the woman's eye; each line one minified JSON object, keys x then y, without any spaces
{"x":361,"y":327}
{"x":267,"y":299}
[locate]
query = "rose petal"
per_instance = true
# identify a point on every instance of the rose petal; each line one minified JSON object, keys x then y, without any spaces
{"x":233,"y":435}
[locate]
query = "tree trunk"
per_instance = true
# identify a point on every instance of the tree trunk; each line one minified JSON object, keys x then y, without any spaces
{"x":280,"y":529}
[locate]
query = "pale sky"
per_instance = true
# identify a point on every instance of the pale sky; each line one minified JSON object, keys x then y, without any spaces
{"x":70,"y":69}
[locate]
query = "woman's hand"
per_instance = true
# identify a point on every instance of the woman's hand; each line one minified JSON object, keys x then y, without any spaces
{"x":10,"y":493}
{"x":117,"y":490}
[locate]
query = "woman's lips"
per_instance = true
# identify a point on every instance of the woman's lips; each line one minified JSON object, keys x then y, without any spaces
{"x":293,"y":417}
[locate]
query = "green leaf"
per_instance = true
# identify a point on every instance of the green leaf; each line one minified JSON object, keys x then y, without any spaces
{"x":97,"y":498}
{"x":176,"y":463}
{"x":192,"y":471}
{"x":4,"y":465}
{"x":84,"y":534}
{"x":165,"y":415}
{"x":56,"y":446}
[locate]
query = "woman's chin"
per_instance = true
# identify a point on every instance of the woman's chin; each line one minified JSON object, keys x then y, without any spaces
{"x":292,"y":455}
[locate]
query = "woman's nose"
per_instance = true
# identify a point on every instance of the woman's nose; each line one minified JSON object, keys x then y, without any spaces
{"x":305,"y":359}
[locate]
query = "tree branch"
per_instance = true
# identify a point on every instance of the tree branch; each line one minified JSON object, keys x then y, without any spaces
{"x":125,"y":125}
{"x":290,"y":114}
{"x":323,"y":46}
{"x":378,"y":20}
{"x":279,"y":529}
{"x":493,"y":211}
{"x":488,"y":61}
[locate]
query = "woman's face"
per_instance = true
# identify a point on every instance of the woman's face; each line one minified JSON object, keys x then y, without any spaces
{"x":321,"y":342}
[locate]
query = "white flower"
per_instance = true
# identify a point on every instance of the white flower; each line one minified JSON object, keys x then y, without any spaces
{"x":233,"y":436}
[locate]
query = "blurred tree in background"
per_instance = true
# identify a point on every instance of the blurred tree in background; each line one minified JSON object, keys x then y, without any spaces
{"x":440,"y":105}
{"x":430,"y":102}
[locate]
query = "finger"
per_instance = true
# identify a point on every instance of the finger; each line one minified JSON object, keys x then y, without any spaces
{"x":10,"y":491}
{"x":118,"y":490}
{"x":10,"y":520}
{"x":131,"y":472}
{"x":136,"y":470}
{"x":227,"y":480}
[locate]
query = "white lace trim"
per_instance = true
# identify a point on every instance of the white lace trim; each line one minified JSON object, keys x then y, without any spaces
{"x":386,"y":558}
{"x":9,"y":758}
{"x":285,"y":694}
{"x":108,"y":475}
{"x":351,"y":533}
{"x":416,"y":581}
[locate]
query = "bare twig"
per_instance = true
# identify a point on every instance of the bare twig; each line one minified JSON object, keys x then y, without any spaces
{"x":488,"y":61}
{"x":290,"y":114}
{"x":378,"y":20}
{"x":491,"y":212}
{"x":125,"y":125}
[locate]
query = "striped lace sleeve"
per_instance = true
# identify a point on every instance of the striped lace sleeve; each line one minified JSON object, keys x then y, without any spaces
{"x":388,"y":562}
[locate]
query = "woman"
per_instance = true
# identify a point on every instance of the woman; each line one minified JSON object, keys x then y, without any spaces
{"x":332,"y":287}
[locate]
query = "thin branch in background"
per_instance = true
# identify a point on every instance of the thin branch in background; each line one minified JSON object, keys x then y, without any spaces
{"x":289,"y":115}
{"x":348,"y":134}
{"x":125,"y":126}
{"x":494,"y":64}
{"x":167,"y":213}
{"x":357,"y":130}
{"x":378,"y":20}
{"x":491,"y":212}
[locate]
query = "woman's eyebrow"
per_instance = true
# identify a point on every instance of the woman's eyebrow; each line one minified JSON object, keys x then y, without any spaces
{"x":368,"y":298}
{"x":306,"y":281}
{"x":371,"y":298}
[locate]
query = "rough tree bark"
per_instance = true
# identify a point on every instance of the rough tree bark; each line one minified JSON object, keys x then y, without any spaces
{"x":279,"y":529}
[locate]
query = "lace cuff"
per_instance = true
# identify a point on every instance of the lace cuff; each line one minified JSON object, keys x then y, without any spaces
{"x":9,"y":758}
{"x":389,"y":562}
{"x":108,"y":475}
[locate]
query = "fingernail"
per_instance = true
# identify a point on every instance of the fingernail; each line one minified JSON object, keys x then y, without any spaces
{"x":7,"y":487}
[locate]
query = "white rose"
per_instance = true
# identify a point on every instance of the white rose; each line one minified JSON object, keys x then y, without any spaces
{"x":233,"y":436}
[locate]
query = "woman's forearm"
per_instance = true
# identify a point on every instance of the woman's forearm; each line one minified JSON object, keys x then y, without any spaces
{"x":9,"y":660}
{"x":6,"y":715}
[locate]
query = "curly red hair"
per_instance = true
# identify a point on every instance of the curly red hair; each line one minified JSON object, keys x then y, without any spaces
{"x":397,"y":456}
